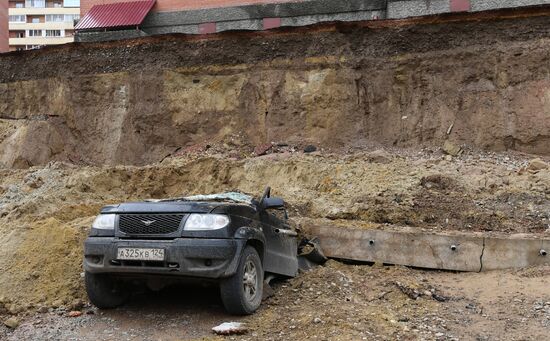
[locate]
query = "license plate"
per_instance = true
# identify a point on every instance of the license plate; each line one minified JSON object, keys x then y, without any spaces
{"x":131,"y":253}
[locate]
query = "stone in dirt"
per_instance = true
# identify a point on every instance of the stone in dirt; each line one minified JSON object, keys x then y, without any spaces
{"x":230,"y":328}
{"x":12,"y":323}
{"x":451,"y":148}
{"x":379,"y":156}
{"x":537,"y":164}
{"x":76,"y":305}
{"x":262,"y":149}
{"x":310,"y":149}
{"x":74,"y":313}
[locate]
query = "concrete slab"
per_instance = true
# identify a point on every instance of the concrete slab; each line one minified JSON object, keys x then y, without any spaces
{"x":456,"y":251}
{"x":514,"y":252}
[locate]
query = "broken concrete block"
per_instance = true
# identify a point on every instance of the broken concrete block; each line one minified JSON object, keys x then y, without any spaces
{"x":537,"y":164}
{"x":451,"y":149}
{"x":379,"y":156}
{"x":230,"y":328}
{"x":12,"y":323}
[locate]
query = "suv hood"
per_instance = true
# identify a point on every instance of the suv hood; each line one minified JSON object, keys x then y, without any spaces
{"x":161,"y":207}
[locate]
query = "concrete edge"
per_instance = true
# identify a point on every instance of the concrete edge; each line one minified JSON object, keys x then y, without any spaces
{"x":456,"y":251}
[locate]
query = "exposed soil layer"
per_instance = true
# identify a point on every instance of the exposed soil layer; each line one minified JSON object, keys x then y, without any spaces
{"x":484,"y":84}
{"x":356,"y":41}
{"x":45,"y":212}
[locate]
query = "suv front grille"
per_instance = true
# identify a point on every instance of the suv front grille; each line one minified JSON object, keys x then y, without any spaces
{"x":149,"y":223}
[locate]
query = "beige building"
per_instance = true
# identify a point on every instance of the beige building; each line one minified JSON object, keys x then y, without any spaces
{"x":36,"y":23}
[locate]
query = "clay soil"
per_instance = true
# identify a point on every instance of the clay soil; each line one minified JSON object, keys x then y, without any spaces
{"x":46,"y":212}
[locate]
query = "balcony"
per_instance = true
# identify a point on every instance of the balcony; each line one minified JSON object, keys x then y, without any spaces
{"x":42,"y":26}
{"x":41,"y":40}
{"x":44,"y":11}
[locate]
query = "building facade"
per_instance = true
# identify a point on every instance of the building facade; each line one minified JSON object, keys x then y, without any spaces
{"x":4,"y":28}
{"x":36,"y":23}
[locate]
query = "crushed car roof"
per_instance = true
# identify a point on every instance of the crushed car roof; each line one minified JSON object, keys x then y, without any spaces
{"x":222,"y":197}
{"x":227,"y":196}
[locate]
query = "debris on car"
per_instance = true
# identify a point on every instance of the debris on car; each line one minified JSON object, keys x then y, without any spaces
{"x":310,"y":254}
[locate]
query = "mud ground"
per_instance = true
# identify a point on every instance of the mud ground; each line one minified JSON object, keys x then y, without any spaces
{"x":332,"y":302}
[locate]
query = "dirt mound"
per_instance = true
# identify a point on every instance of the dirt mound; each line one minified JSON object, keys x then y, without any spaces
{"x":135,"y":102}
{"x":331,"y":302}
{"x":45,"y":213}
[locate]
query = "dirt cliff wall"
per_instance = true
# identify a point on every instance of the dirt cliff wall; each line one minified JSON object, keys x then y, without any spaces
{"x":485,"y":84}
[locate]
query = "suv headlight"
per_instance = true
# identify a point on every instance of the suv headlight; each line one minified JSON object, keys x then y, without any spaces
{"x":104,"y":222}
{"x":205,"y":222}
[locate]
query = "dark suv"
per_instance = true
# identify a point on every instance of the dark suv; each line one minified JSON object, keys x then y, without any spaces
{"x":230,"y":238}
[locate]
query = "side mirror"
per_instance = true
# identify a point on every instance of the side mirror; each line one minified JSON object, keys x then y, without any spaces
{"x":273,"y":203}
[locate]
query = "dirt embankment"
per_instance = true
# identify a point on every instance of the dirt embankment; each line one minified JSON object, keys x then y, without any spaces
{"x":45,"y":213}
{"x":483,"y":84}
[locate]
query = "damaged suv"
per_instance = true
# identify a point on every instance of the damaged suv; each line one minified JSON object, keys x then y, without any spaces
{"x":230,"y":238}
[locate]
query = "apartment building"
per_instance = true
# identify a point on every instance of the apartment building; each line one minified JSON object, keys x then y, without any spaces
{"x":36,"y":23}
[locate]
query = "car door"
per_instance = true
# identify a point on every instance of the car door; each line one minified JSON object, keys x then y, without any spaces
{"x":281,"y":249}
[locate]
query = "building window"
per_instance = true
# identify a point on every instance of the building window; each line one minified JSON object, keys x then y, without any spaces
{"x":35,"y":33}
{"x":19,"y":5}
{"x":72,"y":17}
{"x":20,"y":35}
{"x":36,"y":20}
{"x":71,"y":3}
{"x":35,"y":3}
{"x":18,"y":18}
{"x":53,"y":33}
{"x":54,"y":17}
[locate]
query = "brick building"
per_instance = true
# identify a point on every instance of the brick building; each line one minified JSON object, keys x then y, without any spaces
{"x":4,"y":27}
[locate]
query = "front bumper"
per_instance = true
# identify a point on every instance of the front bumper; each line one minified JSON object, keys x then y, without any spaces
{"x":188,"y":257}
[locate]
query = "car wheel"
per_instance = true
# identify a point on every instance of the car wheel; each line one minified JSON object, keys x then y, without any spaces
{"x":104,"y":291}
{"x":242,"y":293}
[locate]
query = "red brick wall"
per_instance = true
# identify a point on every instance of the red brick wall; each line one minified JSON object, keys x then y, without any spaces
{"x":178,"y":5}
{"x":4,"y":28}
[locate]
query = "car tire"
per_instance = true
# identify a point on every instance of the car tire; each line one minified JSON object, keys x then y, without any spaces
{"x":242,"y":293}
{"x":104,"y":291}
